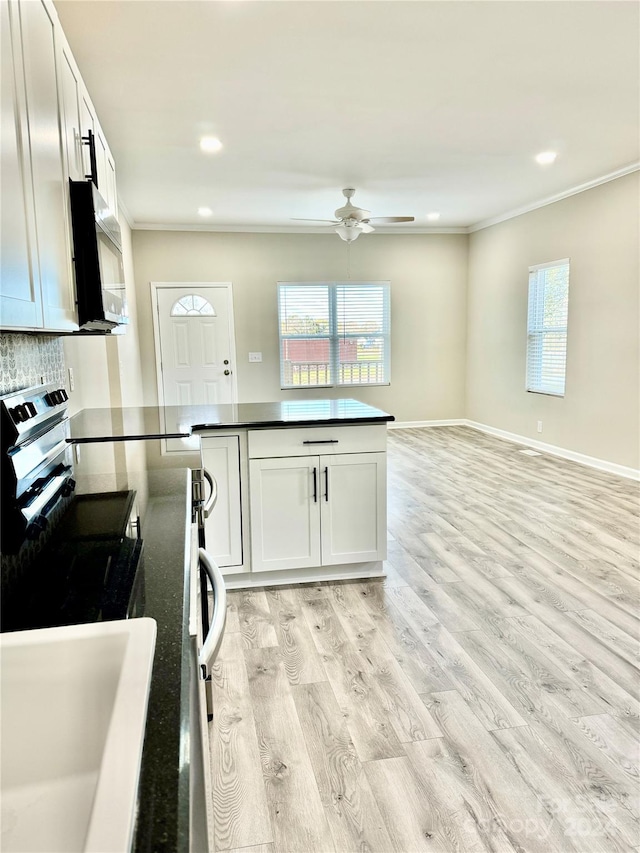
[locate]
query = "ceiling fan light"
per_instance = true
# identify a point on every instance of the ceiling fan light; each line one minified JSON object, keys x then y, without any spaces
{"x":348,"y":233}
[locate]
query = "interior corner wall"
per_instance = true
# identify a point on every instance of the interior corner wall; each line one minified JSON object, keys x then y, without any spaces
{"x":599,"y":414}
{"x":428,"y":275}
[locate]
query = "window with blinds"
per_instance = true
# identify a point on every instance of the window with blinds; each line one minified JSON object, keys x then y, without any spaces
{"x":547,"y":327}
{"x":334,"y":333}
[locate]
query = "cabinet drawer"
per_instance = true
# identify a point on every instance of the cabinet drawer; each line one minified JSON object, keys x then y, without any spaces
{"x":314,"y":441}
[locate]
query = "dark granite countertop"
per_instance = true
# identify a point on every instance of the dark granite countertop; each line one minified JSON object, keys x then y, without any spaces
{"x":162,"y":503}
{"x":164,"y":506}
{"x":91,"y":425}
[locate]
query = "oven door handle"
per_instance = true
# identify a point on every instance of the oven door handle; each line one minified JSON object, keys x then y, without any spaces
{"x":57,"y":486}
{"x":211,"y":643}
{"x":213,"y":495}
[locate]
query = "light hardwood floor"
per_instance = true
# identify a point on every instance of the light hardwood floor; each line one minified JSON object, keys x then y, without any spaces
{"x":484,"y":697}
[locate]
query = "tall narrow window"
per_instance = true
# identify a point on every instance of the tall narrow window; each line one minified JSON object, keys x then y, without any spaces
{"x":334,"y":333}
{"x":547,"y":327}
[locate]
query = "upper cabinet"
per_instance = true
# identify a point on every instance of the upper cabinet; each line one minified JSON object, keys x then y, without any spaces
{"x":46,"y":117}
{"x":20,"y":301}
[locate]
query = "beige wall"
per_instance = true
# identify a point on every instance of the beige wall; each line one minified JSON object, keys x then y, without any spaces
{"x":428,"y":275}
{"x":598,"y":230}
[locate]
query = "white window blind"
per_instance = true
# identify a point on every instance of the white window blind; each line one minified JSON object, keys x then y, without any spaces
{"x":334,"y":333}
{"x":547,"y":327}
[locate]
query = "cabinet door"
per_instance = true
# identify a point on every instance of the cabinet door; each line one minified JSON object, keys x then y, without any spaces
{"x":20,"y":302}
{"x":223,"y":528}
{"x":285,"y":513}
{"x":71,"y":86}
{"x":101,"y":163}
{"x":47,"y":166}
{"x":353,"y":508}
{"x":112,"y":193}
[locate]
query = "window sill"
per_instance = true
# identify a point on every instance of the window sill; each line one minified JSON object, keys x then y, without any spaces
{"x":350,"y":385}
{"x":545,"y":393}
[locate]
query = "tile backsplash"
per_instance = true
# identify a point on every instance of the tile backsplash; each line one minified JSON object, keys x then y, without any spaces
{"x":26,"y":359}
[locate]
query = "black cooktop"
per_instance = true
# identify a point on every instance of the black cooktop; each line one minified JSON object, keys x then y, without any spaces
{"x":91,"y":570}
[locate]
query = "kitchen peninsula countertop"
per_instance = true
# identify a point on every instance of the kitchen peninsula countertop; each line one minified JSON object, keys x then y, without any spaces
{"x":150,"y":422}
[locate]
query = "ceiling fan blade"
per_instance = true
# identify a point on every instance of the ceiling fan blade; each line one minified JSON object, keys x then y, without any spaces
{"x":331,"y":221}
{"x":389,"y":219}
{"x":365,"y":227}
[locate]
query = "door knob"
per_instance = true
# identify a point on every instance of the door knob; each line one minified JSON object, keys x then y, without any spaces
{"x":227,"y":372}
{"x":226,"y":361}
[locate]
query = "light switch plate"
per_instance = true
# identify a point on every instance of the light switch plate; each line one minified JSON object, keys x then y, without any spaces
{"x":255,"y":356}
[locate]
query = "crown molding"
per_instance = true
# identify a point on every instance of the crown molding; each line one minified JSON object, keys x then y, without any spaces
{"x":580,"y":188}
{"x":281,"y":229}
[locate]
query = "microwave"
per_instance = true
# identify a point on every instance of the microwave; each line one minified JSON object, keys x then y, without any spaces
{"x":97,"y":259}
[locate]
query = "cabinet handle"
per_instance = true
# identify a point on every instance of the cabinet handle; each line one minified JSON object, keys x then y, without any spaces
{"x":315,"y":485}
{"x":323,"y":441}
{"x":213,"y":495}
{"x":89,"y":140}
{"x":326,"y":484}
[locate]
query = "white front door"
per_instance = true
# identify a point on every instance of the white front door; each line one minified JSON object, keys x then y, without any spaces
{"x":194,"y":346}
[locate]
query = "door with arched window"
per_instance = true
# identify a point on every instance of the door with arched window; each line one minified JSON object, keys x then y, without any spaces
{"x":195,"y":350}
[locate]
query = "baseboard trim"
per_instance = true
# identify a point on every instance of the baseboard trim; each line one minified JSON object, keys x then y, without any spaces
{"x":563,"y":452}
{"x":417,"y":424}
{"x":348,"y":571}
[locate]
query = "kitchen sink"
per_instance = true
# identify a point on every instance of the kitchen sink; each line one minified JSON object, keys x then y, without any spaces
{"x":74,"y":706}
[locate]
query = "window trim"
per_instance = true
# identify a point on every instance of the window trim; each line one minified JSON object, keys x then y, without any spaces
{"x":535,"y":268}
{"x":334,"y":337}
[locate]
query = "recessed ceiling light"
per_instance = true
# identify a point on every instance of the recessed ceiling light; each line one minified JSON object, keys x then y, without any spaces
{"x":545,"y":158}
{"x":210,"y":144}
{"x":205,"y":211}
{"x":433,"y":217}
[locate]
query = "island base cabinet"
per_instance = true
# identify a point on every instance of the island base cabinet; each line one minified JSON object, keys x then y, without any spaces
{"x":317,"y":511}
{"x":223,"y":527}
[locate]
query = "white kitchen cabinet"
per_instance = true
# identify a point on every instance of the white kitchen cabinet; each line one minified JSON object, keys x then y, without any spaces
{"x":298,"y":503}
{"x":20,"y":302}
{"x":38,"y":31}
{"x":314,"y":511}
{"x":285,"y":513}
{"x":71,"y":89}
{"x":223,"y":527}
{"x":353,"y":508}
{"x":105,"y":167}
{"x":45,"y":108}
{"x":110,"y":192}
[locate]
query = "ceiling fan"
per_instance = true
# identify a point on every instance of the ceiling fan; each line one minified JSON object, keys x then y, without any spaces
{"x":352,"y":221}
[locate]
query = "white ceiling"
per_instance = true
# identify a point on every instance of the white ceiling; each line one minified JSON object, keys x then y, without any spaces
{"x":422,"y":106}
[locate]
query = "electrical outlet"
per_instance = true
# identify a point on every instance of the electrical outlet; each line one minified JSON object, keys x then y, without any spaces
{"x":72,"y":383}
{"x":255,"y":356}
{"x":539,"y":426}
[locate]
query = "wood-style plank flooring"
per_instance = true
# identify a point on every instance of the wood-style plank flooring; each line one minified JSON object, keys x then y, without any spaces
{"x":484,"y":697}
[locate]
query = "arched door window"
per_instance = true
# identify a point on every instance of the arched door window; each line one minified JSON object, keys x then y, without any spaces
{"x":192,"y":306}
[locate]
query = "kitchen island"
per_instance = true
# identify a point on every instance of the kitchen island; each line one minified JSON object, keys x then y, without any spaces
{"x":301,"y":484}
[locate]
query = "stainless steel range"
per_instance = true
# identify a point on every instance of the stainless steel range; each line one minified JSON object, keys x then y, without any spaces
{"x":35,"y":467}
{"x":66,"y":558}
